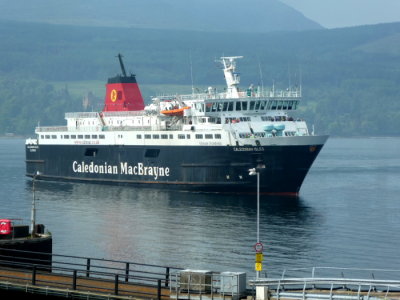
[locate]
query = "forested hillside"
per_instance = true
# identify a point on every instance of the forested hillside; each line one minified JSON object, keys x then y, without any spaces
{"x":196,"y":15}
{"x":350,"y":76}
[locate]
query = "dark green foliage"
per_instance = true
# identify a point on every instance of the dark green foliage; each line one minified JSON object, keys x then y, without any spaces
{"x":25,"y":103}
{"x":350,"y":77}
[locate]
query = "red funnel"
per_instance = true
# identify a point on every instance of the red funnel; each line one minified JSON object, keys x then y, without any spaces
{"x":123,"y":93}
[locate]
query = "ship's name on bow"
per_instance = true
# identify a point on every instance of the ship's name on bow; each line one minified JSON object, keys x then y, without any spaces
{"x":123,"y":168}
{"x":248,"y":148}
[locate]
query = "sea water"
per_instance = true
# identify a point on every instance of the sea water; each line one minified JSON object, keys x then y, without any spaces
{"x":347,"y":215}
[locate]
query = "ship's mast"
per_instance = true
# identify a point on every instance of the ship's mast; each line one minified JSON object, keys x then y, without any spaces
{"x":231,"y":76}
{"x":121,"y":64}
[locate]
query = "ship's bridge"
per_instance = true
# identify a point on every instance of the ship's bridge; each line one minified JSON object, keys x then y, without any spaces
{"x":264,"y":104}
{"x":250,"y":102}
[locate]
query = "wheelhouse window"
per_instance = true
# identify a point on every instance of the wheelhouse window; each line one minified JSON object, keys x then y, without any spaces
{"x":238,"y":106}
{"x":241,"y":105}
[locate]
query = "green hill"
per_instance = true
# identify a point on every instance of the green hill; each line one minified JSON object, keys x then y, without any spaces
{"x":196,"y":15}
{"x":350,"y":76}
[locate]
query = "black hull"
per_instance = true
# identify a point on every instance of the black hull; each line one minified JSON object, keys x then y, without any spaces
{"x":187,"y":168}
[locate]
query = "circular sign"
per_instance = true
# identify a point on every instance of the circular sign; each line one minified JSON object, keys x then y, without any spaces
{"x":113,"y":95}
{"x":258,"y":247}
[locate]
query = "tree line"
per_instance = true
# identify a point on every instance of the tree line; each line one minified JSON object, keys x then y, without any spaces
{"x":349,"y":76}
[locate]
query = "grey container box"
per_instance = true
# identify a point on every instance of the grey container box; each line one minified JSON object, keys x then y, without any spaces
{"x":233,"y":283}
{"x":198,"y":281}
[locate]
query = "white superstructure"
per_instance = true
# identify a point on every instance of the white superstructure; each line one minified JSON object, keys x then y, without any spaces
{"x":233,"y":117}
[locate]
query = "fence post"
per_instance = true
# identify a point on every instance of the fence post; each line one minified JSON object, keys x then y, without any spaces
{"x":87,"y":267}
{"x":159,"y":289}
{"x":167,"y":277}
{"x":116,"y":285}
{"x":34,"y":275}
{"x":74,"y":280}
{"x":126,"y":272}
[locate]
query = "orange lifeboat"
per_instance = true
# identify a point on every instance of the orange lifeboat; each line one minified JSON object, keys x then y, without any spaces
{"x":175,"y":112}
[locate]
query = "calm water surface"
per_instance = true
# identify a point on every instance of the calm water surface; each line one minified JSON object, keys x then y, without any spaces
{"x":348,"y":215}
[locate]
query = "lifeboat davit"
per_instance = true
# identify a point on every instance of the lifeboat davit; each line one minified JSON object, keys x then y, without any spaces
{"x":175,"y":112}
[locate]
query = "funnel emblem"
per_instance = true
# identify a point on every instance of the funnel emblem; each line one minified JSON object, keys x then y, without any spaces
{"x":113,"y":95}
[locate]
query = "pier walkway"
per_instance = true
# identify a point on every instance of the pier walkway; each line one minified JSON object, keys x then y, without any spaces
{"x":84,"y":278}
{"x":90,"y":278}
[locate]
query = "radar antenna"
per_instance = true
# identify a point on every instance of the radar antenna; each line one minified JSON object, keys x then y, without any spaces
{"x":121,"y":64}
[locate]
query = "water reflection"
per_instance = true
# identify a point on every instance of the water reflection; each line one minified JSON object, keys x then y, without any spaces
{"x":190,"y":230}
{"x":348,"y":215}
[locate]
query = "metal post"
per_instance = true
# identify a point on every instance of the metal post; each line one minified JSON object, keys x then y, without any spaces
{"x":159,"y":289}
{"x":34,"y":275}
{"x":127,"y":272}
{"x":116,"y":285}
{"x":258,"y":214}
{"x":258,"y":206}
{"x":33,"y":212}
{"x":87,"y":267}
{"x":167,"y":277}
{"x":74,"y":280}
{"x":252,"y":172}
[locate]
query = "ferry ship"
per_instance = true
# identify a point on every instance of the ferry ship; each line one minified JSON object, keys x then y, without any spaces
{"x":206,"y":142}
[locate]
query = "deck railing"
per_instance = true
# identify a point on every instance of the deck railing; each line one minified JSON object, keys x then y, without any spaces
{"x":331,"y":283}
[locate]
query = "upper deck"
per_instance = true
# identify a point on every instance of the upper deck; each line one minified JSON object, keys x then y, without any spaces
{"x":251,"y":92}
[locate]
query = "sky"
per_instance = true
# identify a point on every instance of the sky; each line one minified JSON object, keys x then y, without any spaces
{"x":347,"y":13}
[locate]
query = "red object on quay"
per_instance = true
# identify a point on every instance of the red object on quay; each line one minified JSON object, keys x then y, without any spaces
{"x":5,"y":226}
